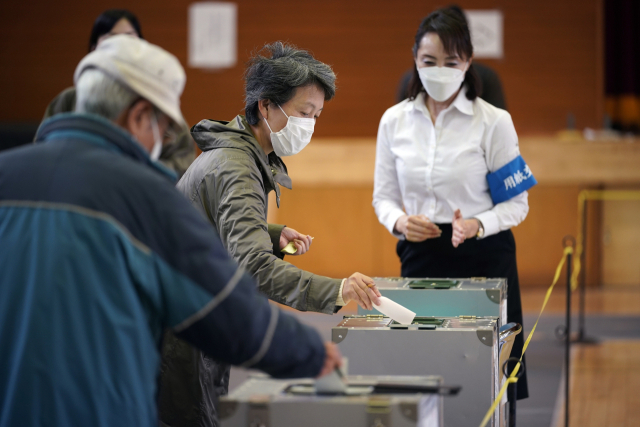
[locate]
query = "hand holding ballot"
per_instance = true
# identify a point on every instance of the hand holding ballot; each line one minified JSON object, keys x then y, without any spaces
{"x":362,"y":289}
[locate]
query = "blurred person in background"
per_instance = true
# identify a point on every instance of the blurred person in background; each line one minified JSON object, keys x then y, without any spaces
{"x":177,"y":154}
{"x":100,"y":254}
{"x":240,"y":164}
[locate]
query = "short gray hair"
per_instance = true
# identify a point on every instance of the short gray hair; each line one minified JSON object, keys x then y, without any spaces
{"x":98,"y":93}
{"x":277,"y":70}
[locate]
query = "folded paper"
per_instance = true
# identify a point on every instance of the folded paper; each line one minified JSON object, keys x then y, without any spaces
{"x":395,"y":311}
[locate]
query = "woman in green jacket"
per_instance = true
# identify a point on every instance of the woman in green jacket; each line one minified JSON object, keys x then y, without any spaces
{"x":229,"y":183}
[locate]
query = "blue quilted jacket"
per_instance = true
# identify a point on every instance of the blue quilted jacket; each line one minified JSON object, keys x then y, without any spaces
{"x":99,"y":254}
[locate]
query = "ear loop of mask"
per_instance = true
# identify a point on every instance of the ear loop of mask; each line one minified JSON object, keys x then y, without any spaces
{"x":285,"y":114}
{"x":157,"y":144}
{"x":265,"y":119}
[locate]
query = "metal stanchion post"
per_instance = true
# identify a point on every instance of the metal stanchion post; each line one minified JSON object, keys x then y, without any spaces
{"x":567,"y":349}
{"x":583,"y":280}
{"x":512,"y":390}
{"x":582,"y":336}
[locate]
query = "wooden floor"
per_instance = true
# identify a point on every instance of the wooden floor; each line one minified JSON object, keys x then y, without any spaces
{"x":616,"y":300}
{"x":605,"y":383}
{"x":605,"y":378}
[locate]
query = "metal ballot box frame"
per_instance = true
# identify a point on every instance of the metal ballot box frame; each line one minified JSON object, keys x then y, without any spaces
{"x":446,"y":297}
{"x":463,"y":350}
{"x":262,"y":401}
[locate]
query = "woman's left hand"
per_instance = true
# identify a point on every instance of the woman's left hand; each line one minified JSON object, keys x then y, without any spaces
{"x":302,"y":242}
{"x":463,"y":228}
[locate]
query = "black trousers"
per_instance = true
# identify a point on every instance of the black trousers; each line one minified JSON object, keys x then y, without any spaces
{"x":493,"y":256}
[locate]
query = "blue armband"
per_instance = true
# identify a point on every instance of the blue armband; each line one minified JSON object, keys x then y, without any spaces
{"x":510,"y":180}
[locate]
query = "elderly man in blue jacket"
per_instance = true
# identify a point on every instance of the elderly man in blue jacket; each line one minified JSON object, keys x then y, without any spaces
{"x":99,"y":254}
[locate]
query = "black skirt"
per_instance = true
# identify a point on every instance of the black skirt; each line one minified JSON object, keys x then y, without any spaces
{"x":493,"y":256}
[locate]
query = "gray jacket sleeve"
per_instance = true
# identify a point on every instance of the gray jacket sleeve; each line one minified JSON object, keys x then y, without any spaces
{"x":275,"y":230}
{"x":233,"y":196}
{"x":207,"y":300}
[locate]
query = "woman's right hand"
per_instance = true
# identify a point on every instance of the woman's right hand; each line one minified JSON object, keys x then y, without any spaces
{"x":417,"y":228}
{"x":362,"y":289}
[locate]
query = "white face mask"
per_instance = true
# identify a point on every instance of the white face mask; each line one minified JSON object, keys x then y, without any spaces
{"x":293,"y":137}
{"x":441,"y":82}
{"x":157,"y":140}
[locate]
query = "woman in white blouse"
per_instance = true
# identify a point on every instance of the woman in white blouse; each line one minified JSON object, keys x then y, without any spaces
{"x":437,"y":153}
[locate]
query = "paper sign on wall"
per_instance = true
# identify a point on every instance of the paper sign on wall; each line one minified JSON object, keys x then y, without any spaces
{"x":486,"y":28}
{"x":213,"y":34}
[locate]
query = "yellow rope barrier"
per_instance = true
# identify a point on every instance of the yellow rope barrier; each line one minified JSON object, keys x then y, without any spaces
{"x":613,"y":195}
{"x":512,"y":378}
{"x":616,"y":195}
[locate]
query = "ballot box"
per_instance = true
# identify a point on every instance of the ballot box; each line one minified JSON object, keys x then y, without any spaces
{"x":477,"y":296}
{"x":392,"y":401}
{"x":465,"y":350}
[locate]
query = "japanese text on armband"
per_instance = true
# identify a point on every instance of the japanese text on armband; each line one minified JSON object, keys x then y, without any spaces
{"x":510,"y":180}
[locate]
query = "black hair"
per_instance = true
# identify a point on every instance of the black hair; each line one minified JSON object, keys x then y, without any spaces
{"x":277,"y":70}
{"x":451,"y":26}
{"x":107,"y":20}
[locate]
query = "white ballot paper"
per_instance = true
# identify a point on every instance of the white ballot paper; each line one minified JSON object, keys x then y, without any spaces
{"x":395,"y":311}
{"x":332,"y":383}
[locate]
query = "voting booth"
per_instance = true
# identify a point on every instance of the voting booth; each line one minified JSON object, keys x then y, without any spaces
{"x":392,"y":401}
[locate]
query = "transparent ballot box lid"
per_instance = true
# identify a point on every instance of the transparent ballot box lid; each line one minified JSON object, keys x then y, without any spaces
{"x":446,"y":297}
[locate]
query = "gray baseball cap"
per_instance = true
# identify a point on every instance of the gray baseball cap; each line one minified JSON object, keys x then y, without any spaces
{"x":148,"y":70}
